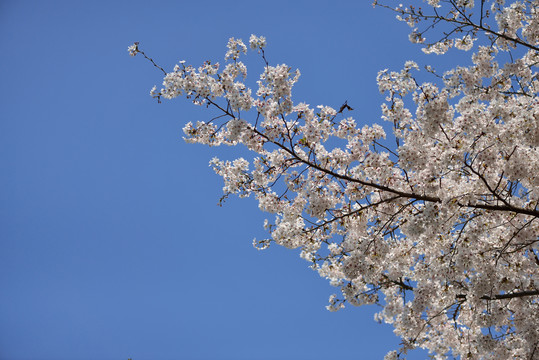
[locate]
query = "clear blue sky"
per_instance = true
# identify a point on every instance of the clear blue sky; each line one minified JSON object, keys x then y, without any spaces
{"x":111,"y":242}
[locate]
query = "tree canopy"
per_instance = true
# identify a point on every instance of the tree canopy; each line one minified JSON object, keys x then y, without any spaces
{"x":435,"y":220}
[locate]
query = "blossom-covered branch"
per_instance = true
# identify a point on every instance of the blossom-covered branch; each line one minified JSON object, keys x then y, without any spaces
{"x":442,"y":230}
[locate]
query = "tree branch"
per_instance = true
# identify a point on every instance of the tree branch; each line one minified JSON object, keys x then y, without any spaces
{"x":519,"y":294}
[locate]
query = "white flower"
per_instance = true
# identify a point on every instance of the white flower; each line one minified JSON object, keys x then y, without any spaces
{"x":133,"y":49}
{"x":235,"y":47}
{"x":257,"y":42}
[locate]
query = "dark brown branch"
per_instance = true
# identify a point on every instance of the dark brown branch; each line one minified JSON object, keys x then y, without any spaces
{"x":462,"y":24}
{"x":151,"y":60}
{"x":508,"y":208}
{"x":399,"y":283}
{"x":511,"y":295}
{"x":519,"y":294}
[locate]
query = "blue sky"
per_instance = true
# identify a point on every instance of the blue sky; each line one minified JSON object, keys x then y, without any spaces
{"x":112,"y":243}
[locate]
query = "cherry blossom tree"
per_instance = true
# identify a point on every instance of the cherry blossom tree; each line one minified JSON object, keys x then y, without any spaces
{"x":438,"y":222}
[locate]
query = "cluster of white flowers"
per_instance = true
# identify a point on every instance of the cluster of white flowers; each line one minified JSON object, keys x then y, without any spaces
{"x":235,"y":47}
{"x":133,"y":49}
{"x":275,"y":90}
{"x":465,"y":43}
{"x":441,"y":231}
{"x":257,"y":42}
{"x":438,"y":48}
